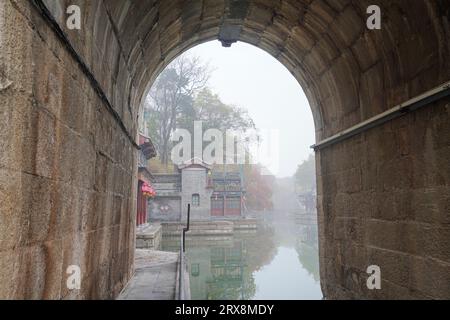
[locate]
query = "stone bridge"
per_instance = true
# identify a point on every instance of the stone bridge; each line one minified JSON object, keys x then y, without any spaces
{"x":70,"y":101}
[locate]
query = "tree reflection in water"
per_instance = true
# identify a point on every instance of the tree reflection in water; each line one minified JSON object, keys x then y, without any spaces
{"x":223,"y":268}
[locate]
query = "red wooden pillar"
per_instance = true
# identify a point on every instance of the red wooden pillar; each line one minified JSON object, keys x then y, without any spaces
{"x":144,"y":210}
{"x":139,"y":203}
{"x":141,"y":212}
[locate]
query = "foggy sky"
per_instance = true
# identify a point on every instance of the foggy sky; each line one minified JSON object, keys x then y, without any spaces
{"x":246,"y":76}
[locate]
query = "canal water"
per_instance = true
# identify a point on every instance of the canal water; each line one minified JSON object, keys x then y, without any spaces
{"x":277,"y":261}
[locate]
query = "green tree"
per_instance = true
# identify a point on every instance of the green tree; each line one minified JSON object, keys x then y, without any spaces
{"x":171,"y":98}
{"x":180,"y":97}
{"x":305,"y":176}
{"x":215,"y":114}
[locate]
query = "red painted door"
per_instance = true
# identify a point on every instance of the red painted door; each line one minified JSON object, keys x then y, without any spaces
{"x":233,"y":206}
{"x":217,"y":207}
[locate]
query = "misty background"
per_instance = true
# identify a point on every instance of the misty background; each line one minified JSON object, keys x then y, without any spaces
{"x":250,"y":78}
{"x":242,"y":88}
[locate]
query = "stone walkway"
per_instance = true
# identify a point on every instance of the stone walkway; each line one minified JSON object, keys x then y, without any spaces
{"x":155,"y":276}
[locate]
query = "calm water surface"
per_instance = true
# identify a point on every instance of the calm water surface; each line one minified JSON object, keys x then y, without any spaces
{"x":277,"y":261}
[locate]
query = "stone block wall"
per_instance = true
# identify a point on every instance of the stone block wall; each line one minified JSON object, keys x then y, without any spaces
{"x":194,"y":181}
{"x":390,"y":208}
{"x":199,"y":228}
{"x":149,"y":237}
{"x":66,"y":168}
{"x":165,"y":209}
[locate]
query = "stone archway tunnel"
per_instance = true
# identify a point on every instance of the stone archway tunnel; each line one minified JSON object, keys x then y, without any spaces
{"x":69,"y":108}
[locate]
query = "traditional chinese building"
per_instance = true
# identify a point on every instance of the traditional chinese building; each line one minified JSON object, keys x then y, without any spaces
{"x":212,"y":194}
{"x":145,"y":189}
{"x":227,"y":197}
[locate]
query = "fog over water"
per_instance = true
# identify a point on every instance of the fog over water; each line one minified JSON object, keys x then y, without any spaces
{"x":277,"y":261}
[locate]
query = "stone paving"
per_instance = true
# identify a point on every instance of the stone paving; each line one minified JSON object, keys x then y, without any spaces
{"x":155,"y":276}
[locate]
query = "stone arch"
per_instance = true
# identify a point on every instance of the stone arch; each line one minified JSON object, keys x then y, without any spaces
{"x":349,"y":73}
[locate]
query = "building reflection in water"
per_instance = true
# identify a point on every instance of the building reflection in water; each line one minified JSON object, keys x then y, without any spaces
{"x":224,"y":268}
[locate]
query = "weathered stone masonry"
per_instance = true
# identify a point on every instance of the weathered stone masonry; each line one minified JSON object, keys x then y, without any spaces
{"x":66,"y":170}
{"x":67,"y":165}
